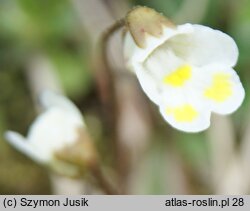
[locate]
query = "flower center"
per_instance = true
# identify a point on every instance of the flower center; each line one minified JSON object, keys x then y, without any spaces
{"x":221,"y":88}
{"x":179,"y":76}
{"x":185,"y":113}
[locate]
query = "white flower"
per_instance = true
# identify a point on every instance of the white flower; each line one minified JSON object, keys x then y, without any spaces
{"x":53,"y":130}
{"x":186,"y":70}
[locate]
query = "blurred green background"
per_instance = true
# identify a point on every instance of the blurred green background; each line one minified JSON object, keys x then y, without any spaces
{"x":173,"y":162}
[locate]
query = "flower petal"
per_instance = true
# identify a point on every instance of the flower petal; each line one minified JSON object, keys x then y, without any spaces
{"x":20,"y":143}
{"x":50,"y":99}
{"x":222,"y":90}
{"x":164,"y":72}
{"x":134,"y":54}
{"x":152,"y":72}
{"x":149,"y":85}
{"x":205,"y":46}
{"x":185,"y":111}
{"x":162,"y":62}
{"x":53,"y":130}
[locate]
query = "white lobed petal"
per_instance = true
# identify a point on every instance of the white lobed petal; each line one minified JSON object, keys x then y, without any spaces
{"x":162,"y":62}
{"x":151,"y":73}
{"x":205,"y":46}
{"x":236,"y":91}
{"x":23,"y":145}
{"x":53,"y":130}
{"x":50,"y":99}
{"x":185,"y":99}
{"x":149,"y":85}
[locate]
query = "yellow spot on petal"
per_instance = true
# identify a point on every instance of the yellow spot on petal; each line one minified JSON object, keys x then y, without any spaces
{"x":179,"y":76}
{"x":221,"y":88}
{"x":185,"y":113}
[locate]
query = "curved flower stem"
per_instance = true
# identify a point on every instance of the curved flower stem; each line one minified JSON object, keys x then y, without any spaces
{"x":106,"y":70}
{"x":105,"y":38}
{"x":106,"y":82}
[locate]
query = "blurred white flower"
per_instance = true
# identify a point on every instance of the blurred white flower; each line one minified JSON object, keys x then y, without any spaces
{"x":187,"y":70}
{"x":56,"y":129}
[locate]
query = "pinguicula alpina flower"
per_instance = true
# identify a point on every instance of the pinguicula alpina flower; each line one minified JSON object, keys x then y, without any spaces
{"x":57,"y":137}
{"x":187,"y":70}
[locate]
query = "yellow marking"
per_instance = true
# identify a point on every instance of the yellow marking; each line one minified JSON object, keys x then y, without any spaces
{"x":185,"y":113}
{"x":179,"y":76}
{"x":221,"y":88}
